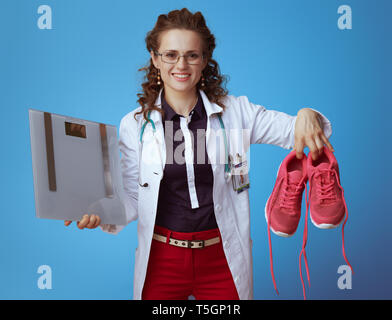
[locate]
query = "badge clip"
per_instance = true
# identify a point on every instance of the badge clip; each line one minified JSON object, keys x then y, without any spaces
{"x":239,"y":174}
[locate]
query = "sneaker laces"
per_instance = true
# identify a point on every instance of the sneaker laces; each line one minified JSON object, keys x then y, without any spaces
{"x":325,"y":182}
{"x":288,"y":201}
{"x":305,"y":239}
{"x":290,"y":196}
{"x":325,"y":192}
{"x":269,"y":206}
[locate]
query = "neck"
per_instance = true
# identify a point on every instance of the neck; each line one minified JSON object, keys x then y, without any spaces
{"x":181,"y":102}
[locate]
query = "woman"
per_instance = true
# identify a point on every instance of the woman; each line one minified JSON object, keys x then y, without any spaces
{"x":193,"y":226}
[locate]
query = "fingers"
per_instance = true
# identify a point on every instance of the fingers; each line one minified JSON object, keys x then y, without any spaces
{"x":98,"y":222}
{"x":313,"y":149}
{"x":67,"y":223}
{"x":87,"y":221}
{"x":83,"y":222}
{"x":309,"y":133}
{"x":299,"y":149}
{"x":90,"y":222}
{"x":94,"y":221}
{"x":327,"y":143}
{"x":315,"y":145}
{"x":319,"y":148}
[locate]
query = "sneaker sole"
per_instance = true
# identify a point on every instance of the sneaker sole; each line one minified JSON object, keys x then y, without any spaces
{"x":278,"y":233}
{"x":325,"y":225}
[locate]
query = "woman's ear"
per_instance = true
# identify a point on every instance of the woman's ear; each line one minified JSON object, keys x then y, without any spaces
{"x":154,"y":59}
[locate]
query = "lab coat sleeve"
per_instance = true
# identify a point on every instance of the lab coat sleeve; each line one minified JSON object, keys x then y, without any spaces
{"x":273,"y":127}
{"x":129,"y":148}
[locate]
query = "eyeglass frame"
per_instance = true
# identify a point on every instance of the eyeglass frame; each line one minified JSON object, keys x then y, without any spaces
{"x":178,"y":58}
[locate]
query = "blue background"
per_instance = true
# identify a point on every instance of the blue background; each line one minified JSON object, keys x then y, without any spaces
{"x":284,"y":55}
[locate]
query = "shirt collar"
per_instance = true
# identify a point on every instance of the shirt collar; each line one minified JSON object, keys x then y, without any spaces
{"x":170,"y":114}
{"x":210,"y":107}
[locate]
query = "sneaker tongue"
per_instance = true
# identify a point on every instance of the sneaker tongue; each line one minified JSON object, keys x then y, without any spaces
{"x":323,"y":166}
{"x":294,"y":177}
{"x":325,"y":172}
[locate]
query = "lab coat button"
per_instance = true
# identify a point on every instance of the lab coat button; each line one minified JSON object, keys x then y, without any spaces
{"x":218,"y":207}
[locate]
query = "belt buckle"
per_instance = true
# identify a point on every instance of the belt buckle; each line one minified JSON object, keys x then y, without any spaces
{"x":199,"y":246}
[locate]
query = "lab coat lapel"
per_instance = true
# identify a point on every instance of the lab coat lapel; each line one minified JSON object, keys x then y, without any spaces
{"x":154,"y":146}
{"x":213,"y":132}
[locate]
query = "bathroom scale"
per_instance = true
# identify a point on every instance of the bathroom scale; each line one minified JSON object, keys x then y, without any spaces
{"x":76,"y":168}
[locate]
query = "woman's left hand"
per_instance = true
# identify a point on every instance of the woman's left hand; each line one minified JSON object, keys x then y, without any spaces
{"x":309,"y":133}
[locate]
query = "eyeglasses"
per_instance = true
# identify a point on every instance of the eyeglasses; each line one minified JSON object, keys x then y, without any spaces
{"x":172,"y":57}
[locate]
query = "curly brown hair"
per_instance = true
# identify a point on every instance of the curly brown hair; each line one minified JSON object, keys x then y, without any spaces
{"x":214,"y":82}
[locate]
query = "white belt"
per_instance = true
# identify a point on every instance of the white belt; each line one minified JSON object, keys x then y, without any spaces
{"x":193,"y":244}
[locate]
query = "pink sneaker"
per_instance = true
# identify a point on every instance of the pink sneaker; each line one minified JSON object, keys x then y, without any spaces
{"x":283,"y":207}
{"x":326,"y":204}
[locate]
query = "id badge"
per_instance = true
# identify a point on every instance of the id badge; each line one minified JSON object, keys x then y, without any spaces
{"x":239,"y":174}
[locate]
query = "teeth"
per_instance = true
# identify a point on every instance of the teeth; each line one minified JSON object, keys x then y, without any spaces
{"x":182,"y":75}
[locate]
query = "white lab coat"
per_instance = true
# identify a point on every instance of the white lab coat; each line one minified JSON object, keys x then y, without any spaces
{"x":231,"y":209}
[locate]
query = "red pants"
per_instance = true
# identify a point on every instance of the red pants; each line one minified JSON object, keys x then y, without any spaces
{"x":175,"y":273}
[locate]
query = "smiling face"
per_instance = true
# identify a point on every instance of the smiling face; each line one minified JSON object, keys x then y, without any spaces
{"x":180,"y":77}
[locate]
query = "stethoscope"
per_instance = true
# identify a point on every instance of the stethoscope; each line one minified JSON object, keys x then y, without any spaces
{"x":149,"y":120}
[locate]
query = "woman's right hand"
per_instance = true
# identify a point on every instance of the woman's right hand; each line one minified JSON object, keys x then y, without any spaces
{"x":90,"y":222}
